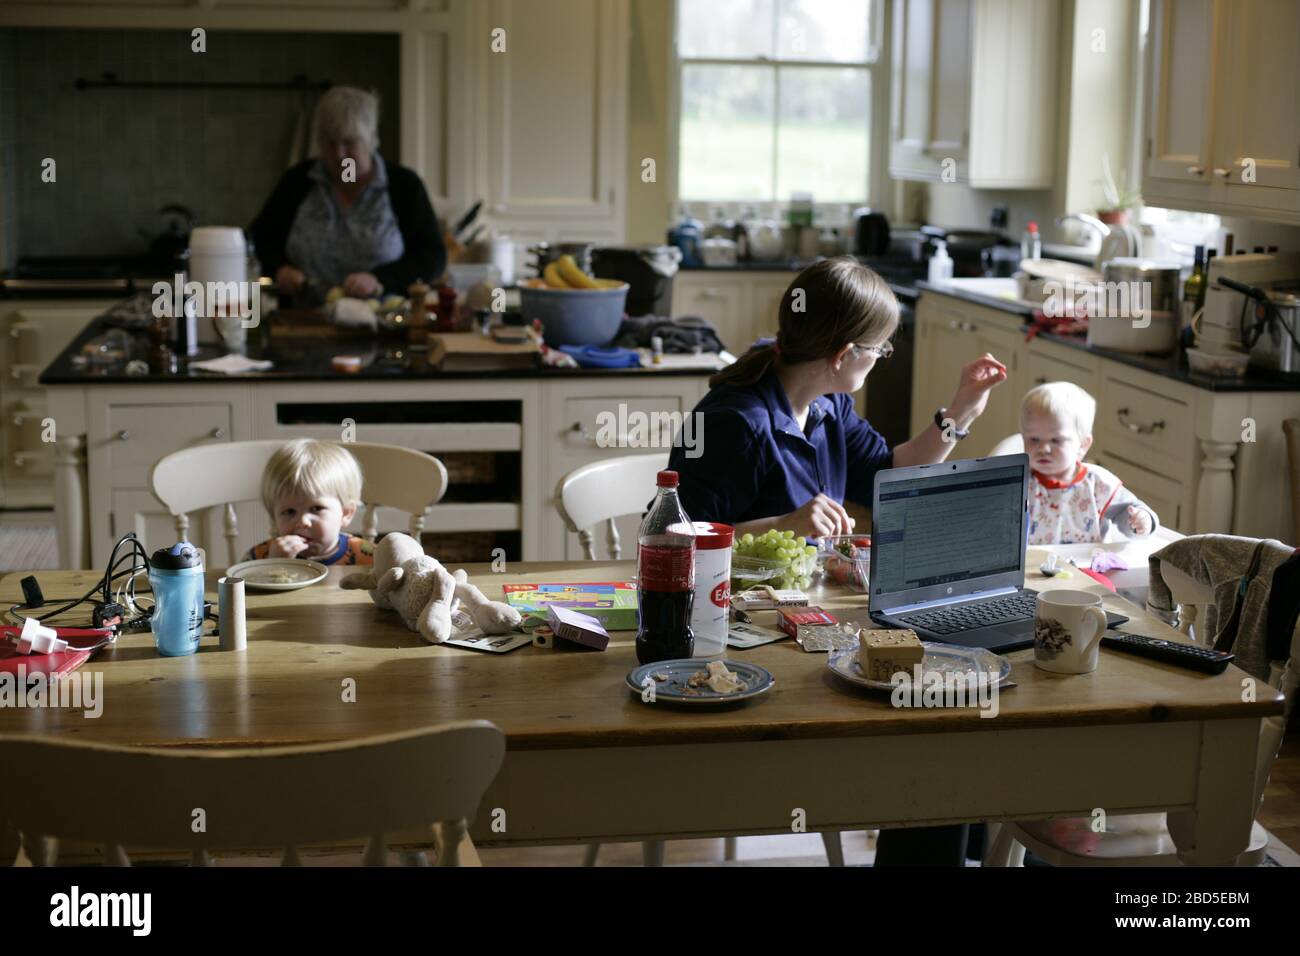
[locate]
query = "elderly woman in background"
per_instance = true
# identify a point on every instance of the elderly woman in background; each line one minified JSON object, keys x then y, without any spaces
{"x":347,"y":218}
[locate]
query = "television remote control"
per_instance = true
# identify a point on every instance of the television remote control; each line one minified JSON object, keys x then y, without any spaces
{"x":1171,"y":652}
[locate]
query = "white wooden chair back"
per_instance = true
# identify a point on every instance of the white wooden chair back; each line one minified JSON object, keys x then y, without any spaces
{"x":1011,"y":445}
{"x":604,"y":491}
{"x":207,"y":476}
{"x":281,"y":797}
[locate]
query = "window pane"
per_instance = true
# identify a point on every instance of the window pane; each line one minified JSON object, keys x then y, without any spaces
{"x":725,"y":29}
{"x":726,"y":135}
{"x":825,"y":122}
{"x":834,"y":30}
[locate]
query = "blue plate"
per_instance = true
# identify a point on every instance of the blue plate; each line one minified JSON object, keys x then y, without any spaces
{"x":674,"y":689}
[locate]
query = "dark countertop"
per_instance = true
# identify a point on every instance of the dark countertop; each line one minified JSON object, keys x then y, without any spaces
{"x":902,"y":274}
{"x":1169,"y":366}
{"x":302,"y":351}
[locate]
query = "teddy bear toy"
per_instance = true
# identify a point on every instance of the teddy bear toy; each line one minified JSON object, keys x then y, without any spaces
{"x":424,"y":593}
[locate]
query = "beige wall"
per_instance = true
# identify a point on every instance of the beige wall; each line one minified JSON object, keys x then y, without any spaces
{"x":648,"y":118}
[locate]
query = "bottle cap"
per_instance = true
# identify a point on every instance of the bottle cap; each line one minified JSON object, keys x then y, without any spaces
{"x":1033,"y":226}
{"x":667,"y":479}
{"x":178,"y":556}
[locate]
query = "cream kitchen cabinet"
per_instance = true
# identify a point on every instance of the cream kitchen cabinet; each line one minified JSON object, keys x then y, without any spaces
{"x":550,"y":120}
{"x":32,"y":333}
{"x":950,"y":333}
{"x":971,"y":82}
{"x":742,"y":305}
{"x":1206,"y":460}
{"x":1223,"y":108}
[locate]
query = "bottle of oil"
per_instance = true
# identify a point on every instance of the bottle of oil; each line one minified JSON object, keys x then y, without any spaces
{"x":1194,"y":289}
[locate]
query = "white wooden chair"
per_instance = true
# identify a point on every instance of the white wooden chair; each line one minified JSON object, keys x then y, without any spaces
{"x":1142,"y":839}
{"x":426,"y":782}
{"x":604,"y":491}
{"x":193,"y":479}
{"x":601,"y":493}
{"x":1011,"y":445}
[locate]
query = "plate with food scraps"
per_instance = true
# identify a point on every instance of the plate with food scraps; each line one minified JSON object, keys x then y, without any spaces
{"x":942,"y":658}
{"x":278,"y":574}
{"x":693,"y":682}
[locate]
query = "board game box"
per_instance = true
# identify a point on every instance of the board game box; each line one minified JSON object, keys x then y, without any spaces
{"x":613,"y":603}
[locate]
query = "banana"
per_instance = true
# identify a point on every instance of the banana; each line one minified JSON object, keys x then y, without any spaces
{"x":608,"y":283}
{"x":553,"y":276}
{"x":574,"y":276}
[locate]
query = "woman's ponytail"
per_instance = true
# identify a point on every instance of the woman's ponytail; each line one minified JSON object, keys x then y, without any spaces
{"x":832,"y":303}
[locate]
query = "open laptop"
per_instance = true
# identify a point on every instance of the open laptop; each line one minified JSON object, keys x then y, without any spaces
{"x":948,"y":552}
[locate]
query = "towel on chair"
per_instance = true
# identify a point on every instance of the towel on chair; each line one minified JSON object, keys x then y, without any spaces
{"x":1226,"y":564}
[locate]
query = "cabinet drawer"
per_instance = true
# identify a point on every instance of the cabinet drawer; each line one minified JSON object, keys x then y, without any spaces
{"x":1163,"y":495}
{"x":1142,"y":419}
{"x":139,"y":435}
{"x":593,"y":427}
{"x":1041,"y":367}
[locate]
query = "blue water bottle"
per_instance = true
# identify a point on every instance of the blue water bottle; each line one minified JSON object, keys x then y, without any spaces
{"x":176,"y":575}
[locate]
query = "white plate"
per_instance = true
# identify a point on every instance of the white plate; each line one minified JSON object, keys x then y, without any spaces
{"x":944,"y":658}
{"x":260,"y":574}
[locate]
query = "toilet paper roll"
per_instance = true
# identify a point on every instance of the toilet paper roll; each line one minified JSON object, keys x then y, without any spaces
{"x":230,"y":609}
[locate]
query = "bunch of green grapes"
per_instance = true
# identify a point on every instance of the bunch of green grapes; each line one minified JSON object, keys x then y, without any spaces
{"x":797,"y":558}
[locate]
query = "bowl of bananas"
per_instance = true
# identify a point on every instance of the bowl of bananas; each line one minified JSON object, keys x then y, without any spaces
{"x":573,"y":307}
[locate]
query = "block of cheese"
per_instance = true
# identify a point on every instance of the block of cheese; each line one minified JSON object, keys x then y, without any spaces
{"x":881,"y":653}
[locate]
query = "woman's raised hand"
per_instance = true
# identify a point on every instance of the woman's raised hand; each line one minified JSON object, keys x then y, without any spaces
{"x":977,"y":379}
{"x":819,"y":517}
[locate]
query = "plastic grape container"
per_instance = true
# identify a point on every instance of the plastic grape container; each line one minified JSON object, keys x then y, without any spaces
{"x":845,"y":559}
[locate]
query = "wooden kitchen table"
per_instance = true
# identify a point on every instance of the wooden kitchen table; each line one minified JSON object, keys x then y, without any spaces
{"x":587,"y":760}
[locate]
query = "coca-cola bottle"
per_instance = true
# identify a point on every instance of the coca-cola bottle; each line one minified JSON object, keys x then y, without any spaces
{"x":665,"y":572}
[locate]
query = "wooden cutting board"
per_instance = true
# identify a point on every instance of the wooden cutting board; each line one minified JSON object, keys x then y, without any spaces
{"x":465,"y":351}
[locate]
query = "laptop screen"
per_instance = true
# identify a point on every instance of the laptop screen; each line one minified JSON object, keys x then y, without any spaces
{"x":960,"y":524}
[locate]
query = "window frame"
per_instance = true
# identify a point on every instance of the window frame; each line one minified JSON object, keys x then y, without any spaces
{"x":877,"y":67}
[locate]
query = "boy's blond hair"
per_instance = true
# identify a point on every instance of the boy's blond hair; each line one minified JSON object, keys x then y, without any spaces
{"x":311,"y":468}
{"x":1064,"y":401}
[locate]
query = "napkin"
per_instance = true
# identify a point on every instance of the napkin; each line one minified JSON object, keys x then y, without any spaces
{"x":233,"y":364}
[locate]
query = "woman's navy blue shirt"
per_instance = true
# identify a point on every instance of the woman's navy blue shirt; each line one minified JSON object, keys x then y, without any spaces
{"x":751,"y":460}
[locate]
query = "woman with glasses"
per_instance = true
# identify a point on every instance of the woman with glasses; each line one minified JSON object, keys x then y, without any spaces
{"x":780,"y":445}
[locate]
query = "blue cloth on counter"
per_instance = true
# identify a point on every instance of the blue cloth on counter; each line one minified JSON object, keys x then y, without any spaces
{"x":752,"y":460}
{"x":592,"y":356}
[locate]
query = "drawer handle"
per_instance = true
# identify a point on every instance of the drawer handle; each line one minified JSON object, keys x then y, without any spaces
{"x":709,"y":294}
{"x":20,"y":460}
{"x":1041,"y":380}
{"x":124,"y":435}
{"x":1221,"y":172}
{"x":957,"y":326}
{"x":580,"y":430}
{"x":18,"y":328}
{"x":1135,"y":428}
{"x":1195,"y":170}
{"x":217,"y":432}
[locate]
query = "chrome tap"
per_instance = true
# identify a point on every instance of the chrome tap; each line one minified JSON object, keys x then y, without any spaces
{"x":1103,"y":230}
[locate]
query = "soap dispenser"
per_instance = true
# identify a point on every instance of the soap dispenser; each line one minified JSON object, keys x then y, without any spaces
{"x":940,"y":262}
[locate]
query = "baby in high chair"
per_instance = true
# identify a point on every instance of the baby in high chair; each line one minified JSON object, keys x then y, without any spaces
{"x":311,"y":490}
{"x":1071,"y":502}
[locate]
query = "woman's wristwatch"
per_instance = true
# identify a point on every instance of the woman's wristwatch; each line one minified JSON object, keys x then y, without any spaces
{"x":942,"y":421}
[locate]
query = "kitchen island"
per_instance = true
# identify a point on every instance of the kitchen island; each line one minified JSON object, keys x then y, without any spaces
{"x":507,"y":435}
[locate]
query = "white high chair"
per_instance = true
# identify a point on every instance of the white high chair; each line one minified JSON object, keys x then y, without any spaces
{"x":1142,"y":839}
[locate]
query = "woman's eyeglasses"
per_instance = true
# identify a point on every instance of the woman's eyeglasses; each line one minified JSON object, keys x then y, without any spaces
{"x":879,"y":351}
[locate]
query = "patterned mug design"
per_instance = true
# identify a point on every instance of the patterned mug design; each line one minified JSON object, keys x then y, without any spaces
{"x":1051,"y":637}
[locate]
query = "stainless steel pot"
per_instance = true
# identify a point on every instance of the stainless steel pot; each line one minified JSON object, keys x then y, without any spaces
{"x":1136,"y":307}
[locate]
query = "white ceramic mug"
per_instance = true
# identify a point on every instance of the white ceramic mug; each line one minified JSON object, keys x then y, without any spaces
{"x":1068,"y":626}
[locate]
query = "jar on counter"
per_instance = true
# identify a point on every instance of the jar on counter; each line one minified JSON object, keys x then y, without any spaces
{"x":711,"y":611}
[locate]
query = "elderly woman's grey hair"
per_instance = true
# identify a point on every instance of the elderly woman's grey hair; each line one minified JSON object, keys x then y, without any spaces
{"x":345,"y":112}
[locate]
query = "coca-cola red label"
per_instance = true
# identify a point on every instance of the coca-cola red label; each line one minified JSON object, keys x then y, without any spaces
{"x":665,"y":569}
{"x":721,"y":595}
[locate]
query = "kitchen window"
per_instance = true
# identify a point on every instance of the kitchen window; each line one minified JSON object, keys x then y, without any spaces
{"x":774,"y":98}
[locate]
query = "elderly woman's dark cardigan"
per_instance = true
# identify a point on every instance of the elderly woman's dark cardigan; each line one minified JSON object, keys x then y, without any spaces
{"x":424,"y":256}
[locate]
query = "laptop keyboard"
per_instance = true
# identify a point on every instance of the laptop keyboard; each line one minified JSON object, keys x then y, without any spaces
{"x":968,"y":617}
